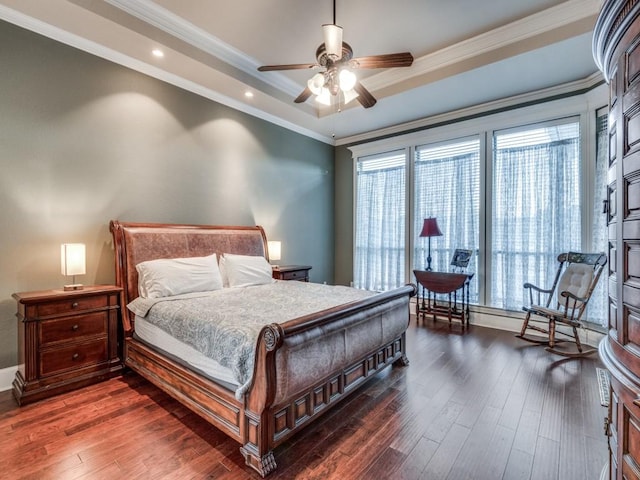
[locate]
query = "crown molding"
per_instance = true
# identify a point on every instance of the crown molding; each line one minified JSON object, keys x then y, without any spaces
{"x":170,"y":23}
{"x":568,"y":16}
{"x":488,"y":108}
{"x":559,"y":17}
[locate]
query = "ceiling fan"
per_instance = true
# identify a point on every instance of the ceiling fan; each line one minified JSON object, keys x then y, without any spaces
{"x":336,"y":58}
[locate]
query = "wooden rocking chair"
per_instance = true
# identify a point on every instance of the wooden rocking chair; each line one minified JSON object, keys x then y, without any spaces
{"x":577,"y":276}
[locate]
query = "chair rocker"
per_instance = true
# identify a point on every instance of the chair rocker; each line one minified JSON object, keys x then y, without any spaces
{"x":575,"y":280}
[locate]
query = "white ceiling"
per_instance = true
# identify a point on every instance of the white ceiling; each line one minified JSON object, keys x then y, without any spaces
{"x":467,"y":52}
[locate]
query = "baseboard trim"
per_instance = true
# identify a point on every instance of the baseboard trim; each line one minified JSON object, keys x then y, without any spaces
{"x":512,"y":322}
{"x":6,"y":377}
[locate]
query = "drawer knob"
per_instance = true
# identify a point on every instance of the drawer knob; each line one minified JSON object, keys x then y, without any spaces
{"x":75,"y":356}
{"x":75,"y":327}
{"x":74,"y":305}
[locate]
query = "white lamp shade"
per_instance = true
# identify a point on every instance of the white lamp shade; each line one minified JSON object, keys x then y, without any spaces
{"x":275,"y":250}
{"x":316,"y":83}
{"x":349,"y":95}
{"x":325,"y":97}
{"x":347,"y":80}
{"x":72,"y":259}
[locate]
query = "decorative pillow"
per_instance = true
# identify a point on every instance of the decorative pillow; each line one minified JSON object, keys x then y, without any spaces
{"x":173,"y":276}
{"x":245,"y":270}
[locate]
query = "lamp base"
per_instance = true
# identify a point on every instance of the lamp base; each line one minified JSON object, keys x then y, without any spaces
{"x":75,"y":286}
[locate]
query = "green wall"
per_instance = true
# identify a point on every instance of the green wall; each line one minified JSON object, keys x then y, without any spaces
{"x":343,"y":216}
{"x":84,"y":141}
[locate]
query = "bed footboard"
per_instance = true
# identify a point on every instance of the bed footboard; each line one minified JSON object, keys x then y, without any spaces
{"x":305,"y":367}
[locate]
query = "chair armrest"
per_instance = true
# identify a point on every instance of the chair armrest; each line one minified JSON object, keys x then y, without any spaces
{"x":575,"y":298}
{"x":570,"y":304}
{"x":539,"y":292}
{"x":537,"y":289}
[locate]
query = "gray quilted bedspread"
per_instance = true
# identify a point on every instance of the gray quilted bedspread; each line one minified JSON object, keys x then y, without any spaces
{"x":224,"y":324}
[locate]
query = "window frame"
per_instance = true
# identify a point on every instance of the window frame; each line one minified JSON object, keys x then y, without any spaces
{"x":579,"y":107}
{"x":413,"y":160}
{"x":364,"y":158}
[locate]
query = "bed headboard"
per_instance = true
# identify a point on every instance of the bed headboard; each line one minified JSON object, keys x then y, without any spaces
{"x":137,"y":242}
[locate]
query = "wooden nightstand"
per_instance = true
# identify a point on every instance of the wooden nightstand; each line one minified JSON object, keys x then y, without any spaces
{"x":292,"y":272}
{"x":66,"y":340}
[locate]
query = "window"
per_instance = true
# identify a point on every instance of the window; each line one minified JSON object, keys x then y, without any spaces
{"x":447,"y":187}
{"x":515,"y":197}
{"x":536,"y":207}
{"x":379,"y":261}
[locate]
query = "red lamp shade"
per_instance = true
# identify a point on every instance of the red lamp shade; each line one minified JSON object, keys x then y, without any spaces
{"x":430,"y":228}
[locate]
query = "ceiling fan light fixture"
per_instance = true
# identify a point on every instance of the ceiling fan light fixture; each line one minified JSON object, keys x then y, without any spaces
{"x":316,"y":83}
{"x":332,"y":40}
{"x":347,"y":80}
{"x":349,"y":95}
{"x":324,"y":97}
{"x":336,"y":58}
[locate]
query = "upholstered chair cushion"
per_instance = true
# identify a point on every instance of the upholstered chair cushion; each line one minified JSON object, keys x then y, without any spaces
{"x":576,"y":279}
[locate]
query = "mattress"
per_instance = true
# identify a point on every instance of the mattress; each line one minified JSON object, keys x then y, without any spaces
{"x":185,"y":354}
{"x":224,"y":325}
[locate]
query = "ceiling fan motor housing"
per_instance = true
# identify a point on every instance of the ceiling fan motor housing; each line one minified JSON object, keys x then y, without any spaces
{"x":328,"y":61}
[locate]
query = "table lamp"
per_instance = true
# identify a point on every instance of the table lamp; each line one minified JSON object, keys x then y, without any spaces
{"x":274,"y":248}
{"x":430,"y":229}
{"x":72,"y":262}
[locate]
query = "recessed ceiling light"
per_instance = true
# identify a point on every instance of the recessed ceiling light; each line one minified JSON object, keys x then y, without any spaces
{"x":248,"y":94}
{"x":157,"y":53}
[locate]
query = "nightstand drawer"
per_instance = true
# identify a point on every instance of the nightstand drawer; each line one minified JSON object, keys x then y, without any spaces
{"x":295,"y":275}
{"x":292,"y":272}
{"x":72,"y":357}
{"x":72,"y":328}
{"x":72,"y":305}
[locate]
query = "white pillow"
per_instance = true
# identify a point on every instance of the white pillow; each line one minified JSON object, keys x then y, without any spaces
{"x":173,"y":276}
{"x":223,"y":271}
{"x":246,"y":270}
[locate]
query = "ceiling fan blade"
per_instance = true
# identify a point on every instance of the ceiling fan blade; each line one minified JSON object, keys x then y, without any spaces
{"x":364,"y":96}
{"x":404,"y":59}
{"x":293,"y":66}
{"x":306,"y":93}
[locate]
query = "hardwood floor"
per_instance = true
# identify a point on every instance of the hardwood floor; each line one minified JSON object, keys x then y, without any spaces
{"x":479,"y":405}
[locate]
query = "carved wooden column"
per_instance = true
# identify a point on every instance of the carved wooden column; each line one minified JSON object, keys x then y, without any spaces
{"x":616,"y":49}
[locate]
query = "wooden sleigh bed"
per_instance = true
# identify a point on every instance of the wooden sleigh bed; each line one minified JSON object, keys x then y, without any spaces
{"x":290,"y":386}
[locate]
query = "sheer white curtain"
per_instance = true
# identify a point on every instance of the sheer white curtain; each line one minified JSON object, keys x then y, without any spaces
{"x":597,"y":309}
{"x":536,"y":208}
{"x":379,"y":262}
{"x":447,"y":187}
{"x":533,"y":210}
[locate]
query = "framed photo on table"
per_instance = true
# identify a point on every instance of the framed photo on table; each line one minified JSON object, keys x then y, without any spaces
{"x":461,"y":258}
